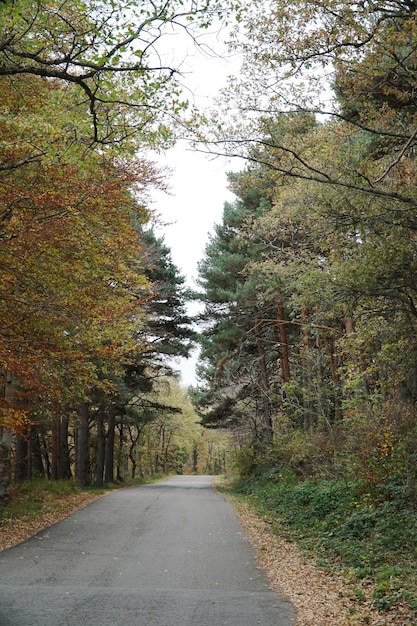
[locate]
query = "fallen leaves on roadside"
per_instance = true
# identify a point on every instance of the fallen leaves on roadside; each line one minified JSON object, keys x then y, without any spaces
{"x":320,"y":598}
{"x":14,"y":531}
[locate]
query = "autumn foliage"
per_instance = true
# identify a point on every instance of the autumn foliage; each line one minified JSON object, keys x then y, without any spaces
{"x":75,"y":294}
{"x":309,"y":282}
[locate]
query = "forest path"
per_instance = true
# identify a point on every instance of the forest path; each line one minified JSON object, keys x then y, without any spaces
{"x":166,"y":554}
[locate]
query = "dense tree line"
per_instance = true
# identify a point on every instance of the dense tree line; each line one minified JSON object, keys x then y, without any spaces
{"x":308,"y":336}
{"x":91,"y":305}
{"x":309,"y":341}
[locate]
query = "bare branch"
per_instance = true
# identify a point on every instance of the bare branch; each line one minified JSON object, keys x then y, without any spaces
{"x":398,"y":159}
{"x":315,"y":175}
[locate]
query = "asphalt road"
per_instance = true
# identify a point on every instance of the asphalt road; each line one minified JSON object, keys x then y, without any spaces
{"x":167,"y":554}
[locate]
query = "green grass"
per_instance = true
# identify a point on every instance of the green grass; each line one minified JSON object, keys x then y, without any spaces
{"x":340,"y":525}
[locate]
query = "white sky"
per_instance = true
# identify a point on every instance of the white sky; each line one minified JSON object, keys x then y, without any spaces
{"x":194,"y":205}
{"x":198,"y":184}
{"x":199,"y":190}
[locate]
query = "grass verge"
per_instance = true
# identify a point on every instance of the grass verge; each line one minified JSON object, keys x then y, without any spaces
{"x":370,"y":542}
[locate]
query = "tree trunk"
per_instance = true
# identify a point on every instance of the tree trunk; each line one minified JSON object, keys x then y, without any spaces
{"x":64,"y":461}
{"x":101,"y":446}
{"x":109,"y":447}
{"x":132,"y":448}
{"x":45,"y":455}
{"x":267,"y":411}
{"x":283,"y":340}
{"x":334,"y":373}
{"x":81,"y":451}
{"x":6,"y":439}
{"x":120,"y":454}
{"x":60,"y":463}
{"x":308,"y":413}
{"x":36,"y":460}
{"x":5,"y":446}
{"x":54,"y":449}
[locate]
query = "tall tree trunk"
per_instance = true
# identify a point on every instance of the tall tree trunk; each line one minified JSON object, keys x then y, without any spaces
{"x":60,"y":463}
{"x":308,"y":413}
{"x":334,"y":373}
{"x":21,"y":464}
{"x":109,"y":447}
{"x":54,"y":449}
{"x":283,"y":340}
{"x":119,"y":475}
{"x":81,"y":451}
{"x":64,"y":461}
{"x":266,"y":403}
{"x":101,"y":446}
{"x":45,"y":454}
{"x":134,"y":438}
{"x":5,"y":447}
{"x":36,"y":459}
{"x":6,"y":438}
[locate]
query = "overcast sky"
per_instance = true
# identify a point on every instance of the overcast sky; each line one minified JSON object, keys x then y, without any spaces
{"x":198,"y":184}
{"x":194,"y":205}
{"x":199,"y":190}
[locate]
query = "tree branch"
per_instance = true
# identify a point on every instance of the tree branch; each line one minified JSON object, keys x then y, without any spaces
{"x":316,"y":175}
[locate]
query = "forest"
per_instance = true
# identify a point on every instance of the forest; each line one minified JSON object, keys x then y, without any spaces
{"x":308,"y":334}
{"x":92,"y":306}
{"x":307,"y":328}
{"x":308,"y":331}
{"x":309,"y":282}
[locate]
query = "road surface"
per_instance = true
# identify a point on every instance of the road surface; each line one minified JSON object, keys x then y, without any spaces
{"x":166,"y":554}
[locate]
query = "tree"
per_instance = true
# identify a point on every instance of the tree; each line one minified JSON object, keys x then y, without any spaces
{"x":169,"y":325}
{"x":83,"y":86}
{"x":162,"y":433}
{"x":325,"y":103}
{"x":351,"y":67}
{"x":118,"y":394}
{"x":71,"y":287}
{"x":345,"y":271}
{"x":134,"y":403}
{"x":109,"y":61}
{"x":239,"y":350}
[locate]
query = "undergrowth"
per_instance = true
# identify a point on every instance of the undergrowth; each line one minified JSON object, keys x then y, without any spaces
{"x":344,"y":527}
{"x":32,"y":499}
